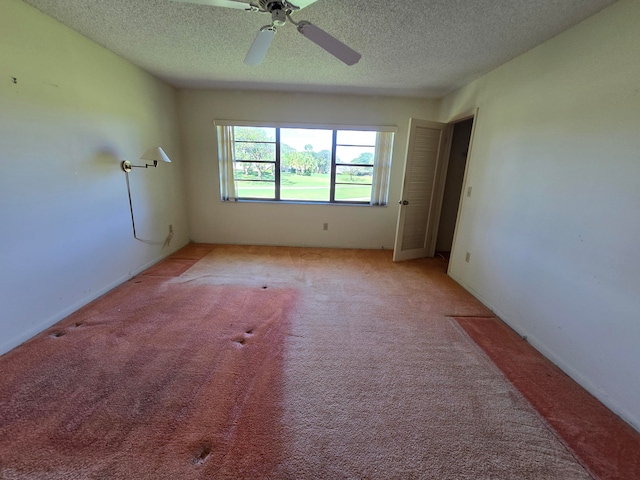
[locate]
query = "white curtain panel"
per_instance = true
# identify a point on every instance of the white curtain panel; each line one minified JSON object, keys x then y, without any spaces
{"x":225,"y":159}
{"x":382,"y":170}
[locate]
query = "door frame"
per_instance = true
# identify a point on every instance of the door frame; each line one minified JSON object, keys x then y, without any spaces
{"x":440,"y":176}
{"x":469,"y":114}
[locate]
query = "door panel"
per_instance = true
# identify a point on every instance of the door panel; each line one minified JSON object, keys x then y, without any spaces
{"x":415,"y":220}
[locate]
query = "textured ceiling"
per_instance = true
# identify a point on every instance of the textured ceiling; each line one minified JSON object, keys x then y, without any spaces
{"x":423,"y":48}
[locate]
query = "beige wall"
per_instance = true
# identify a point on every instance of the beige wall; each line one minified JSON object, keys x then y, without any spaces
{"x":213,"y":221}
{"x":74,"y":111}
{"x":552,"y":224}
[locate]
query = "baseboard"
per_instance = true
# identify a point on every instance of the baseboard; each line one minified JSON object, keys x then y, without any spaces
{"x":12,"y":343}
{"x":298,"y":245}
{"x":606,"y":399}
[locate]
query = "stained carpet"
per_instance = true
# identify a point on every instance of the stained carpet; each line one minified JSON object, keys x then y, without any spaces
{"x":150,"y":381}
{"x":609,"y":447}
{"x":279,"y":363}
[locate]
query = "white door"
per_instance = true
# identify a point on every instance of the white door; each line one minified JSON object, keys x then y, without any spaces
{"x":416,"y":219}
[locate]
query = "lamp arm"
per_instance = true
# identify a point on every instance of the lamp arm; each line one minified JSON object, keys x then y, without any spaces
{"x":127,"y":165}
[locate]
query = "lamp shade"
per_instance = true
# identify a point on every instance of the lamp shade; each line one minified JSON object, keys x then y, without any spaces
{"x":155,"y":154}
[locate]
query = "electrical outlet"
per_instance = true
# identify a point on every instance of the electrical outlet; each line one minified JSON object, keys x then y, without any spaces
{"x":467,"y":257}
{"x":325,"y":226}
{"x":469,"y":192}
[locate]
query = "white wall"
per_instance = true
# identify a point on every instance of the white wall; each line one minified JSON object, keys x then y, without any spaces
{"x":74,"y":111}
{"x":284,"y":224}
{"x":553,"y":223}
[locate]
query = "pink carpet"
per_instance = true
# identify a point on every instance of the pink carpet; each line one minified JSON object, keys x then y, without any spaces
{"x":272,"y":363}
{"x":605,"y":443}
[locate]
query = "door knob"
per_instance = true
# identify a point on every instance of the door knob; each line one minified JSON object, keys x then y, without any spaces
{"x":403,"y":202}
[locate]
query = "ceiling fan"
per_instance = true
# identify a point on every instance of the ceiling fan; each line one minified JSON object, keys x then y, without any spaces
{"x":280,"y":11}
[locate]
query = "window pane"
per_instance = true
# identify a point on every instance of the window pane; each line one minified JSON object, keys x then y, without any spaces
{"x":355,"y":155}
{"x":255,"y":151}
{"x":354,"y":174}
{"x":305,"y":151}
{"x":254,"y":171}
{"x":254,"y":134}
{"x":356,"y":137}
{"x":305,"y":164}
{"x":262,"y":190}
{"x":353,"y":193}
{"x":306,"y":188}
{"x":301,"y":139}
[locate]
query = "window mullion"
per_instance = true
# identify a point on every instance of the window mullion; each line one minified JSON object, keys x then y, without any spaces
{"x":277,"y":167}
{"x":334,"y":141}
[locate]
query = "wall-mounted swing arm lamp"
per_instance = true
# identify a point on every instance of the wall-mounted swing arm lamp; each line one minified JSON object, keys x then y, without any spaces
{"x":154,"y":154}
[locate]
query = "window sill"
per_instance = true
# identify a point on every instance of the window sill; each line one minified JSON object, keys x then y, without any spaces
{"x":301,"y":202}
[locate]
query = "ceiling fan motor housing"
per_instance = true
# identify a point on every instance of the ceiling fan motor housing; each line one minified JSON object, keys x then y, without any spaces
{"x":278,"y":17}
{"x":278,"y":10}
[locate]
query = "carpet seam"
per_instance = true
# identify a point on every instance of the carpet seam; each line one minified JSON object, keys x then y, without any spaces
{"x":543,"y":419}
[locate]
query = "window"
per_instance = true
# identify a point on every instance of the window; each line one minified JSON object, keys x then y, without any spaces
{"x":298,"y":164}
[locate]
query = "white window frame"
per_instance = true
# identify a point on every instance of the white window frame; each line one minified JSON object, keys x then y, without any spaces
{"x":381,"y":166}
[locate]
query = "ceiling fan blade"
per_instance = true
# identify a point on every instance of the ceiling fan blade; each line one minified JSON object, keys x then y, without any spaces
{"x":302,"y":3}
{"x":261,"y":44}
{"x":238,"y":4}
{"x":331,"y":44}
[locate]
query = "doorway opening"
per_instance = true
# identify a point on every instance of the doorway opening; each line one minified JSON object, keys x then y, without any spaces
{"x":435,"y":163}
{"x":451,"y":198}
